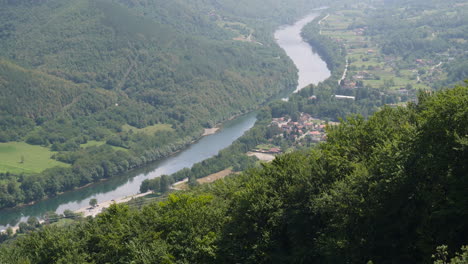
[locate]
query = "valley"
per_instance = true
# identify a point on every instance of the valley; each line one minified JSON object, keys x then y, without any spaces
{"x":73,"y":72}
{"x":233,"y":131}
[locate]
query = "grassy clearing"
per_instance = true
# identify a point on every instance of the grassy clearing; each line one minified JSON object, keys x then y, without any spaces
{"x":93,"y":143}
{"x":149,"y":130}
{"x":265,"y":146}
{"x":19,"y":157}
{"x":236,"y":27}
{"x":208,"y":179}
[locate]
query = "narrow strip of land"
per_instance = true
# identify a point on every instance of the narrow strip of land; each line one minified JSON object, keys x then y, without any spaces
{"x":93,"y":211}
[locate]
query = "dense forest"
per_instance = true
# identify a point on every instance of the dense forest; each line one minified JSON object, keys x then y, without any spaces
{"x":110,"y":85}
{"x":390,"y":189}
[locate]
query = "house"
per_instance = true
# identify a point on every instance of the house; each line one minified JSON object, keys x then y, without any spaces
{"x":358,"y":77}
{"x":308,"y":125}
{"x":337,"y":96}
{"x":347,"y":84}
{"x":275,"y":150}
{"x":315,"y":135}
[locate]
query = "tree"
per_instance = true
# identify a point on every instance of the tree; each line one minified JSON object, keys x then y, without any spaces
{"x":9,"y":231}
{"x":69,"y":213}
{"x":164,"y":183}
{"x":192,"y":181}
{"x":51,"y":217}
{"x":93,"y":202}
{"x":23,"y":227}
{"x":144,"y":187}
{"x":33,"y":221}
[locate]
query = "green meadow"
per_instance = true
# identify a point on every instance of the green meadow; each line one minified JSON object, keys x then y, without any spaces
{"x":92,"y":143}
{"x":20,"y":157}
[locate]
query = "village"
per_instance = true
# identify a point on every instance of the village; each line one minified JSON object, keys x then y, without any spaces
{"x":305,"y":130}
{"x":305,"y":126}
{"x":368,"y":66}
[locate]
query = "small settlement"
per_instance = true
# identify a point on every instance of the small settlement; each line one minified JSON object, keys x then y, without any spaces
{"x":305,"y":126}
{"x":304,"y":129}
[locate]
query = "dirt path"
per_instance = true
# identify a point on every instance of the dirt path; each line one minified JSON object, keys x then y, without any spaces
{"x":320,"y":22}
{"x":344,"y":72}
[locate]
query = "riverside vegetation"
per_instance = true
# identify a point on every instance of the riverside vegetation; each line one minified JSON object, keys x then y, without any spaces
{"x":390,"y":189}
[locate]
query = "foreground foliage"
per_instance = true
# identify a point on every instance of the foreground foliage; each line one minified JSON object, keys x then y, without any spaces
{"x":390,"y":190}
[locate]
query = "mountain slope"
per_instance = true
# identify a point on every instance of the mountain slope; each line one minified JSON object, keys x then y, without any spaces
{"x":109,"y":46}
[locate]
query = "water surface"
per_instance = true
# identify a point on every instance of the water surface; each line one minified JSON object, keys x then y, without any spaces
{"x":311,"y":68}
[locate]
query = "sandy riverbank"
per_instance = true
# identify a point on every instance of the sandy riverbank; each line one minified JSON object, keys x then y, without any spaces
{"x":93,"y":211}
{"x":210,"y":131}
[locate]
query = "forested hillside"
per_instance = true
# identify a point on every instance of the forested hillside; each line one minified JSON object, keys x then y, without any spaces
{"x":109,"y":85}
{"x":106,"y":45}
{"x":390,"y":189}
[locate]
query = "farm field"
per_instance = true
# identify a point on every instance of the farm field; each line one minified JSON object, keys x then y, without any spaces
{"x":20,"y":157}
{"x":367,"y":63}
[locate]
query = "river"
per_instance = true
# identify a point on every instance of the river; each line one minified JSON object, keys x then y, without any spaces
{"x":311,"y":70}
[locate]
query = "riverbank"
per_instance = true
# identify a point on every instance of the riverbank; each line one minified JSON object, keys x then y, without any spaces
{"x":93,"y":211}
{"x":210,"y":131}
